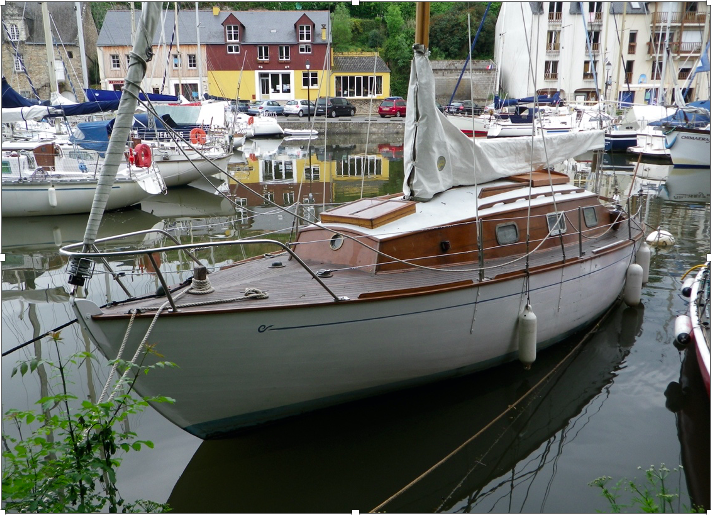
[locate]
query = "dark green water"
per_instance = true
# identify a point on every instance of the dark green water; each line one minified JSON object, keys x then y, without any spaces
{"x":600,"y":412}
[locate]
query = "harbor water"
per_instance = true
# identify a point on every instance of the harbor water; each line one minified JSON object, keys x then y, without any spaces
{"x":504,"y":440}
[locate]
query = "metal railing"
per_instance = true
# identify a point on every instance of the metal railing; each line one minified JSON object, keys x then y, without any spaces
{"x":679,"y":17}
{"x":187,"y":247}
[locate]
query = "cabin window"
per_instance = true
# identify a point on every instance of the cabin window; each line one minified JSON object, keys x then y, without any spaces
{"x":590,"y":216}
{"x":232,"y":33}
{"x":506,"y":234}
{"x":556,"y":223}
{"x":115,"y":62}
{"x":336,"y":241}
{"x":305,"y":49}
{"x":304,"y":32}
{"x":14,"y":32}
{"x":305,"y":79}
{"x":233,"y":49}
{"x":262,"y":53}
{"x":284,"y":53}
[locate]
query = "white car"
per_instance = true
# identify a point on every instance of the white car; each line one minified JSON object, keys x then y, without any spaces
{"x":299,"y":107}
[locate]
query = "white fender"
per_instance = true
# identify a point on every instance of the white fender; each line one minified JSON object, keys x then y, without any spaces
{"x":682,"y":329}
{"x":660,"y":238}
{"x":632,"y":294}
{"x":643,"y":258}
{"x":52,"y":194}
{"x":686,"y":287}
{"x":527,"y":325}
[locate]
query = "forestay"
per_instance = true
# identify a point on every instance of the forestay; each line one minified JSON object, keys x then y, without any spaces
{"x":438,"y":156}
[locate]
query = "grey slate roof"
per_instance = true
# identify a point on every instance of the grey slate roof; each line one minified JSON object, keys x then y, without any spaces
{"x":632,"y":7}
{"x":358,"y":64}
{"x":63,"y":21}
{"x":272,"y":27}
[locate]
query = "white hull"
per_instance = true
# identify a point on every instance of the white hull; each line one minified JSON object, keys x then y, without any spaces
{"x":650,"y":143}
{"x":178,"y":170}
{"x":688,"y":185}
{"x":689,"y":147}
{"x":252,"y":366}
{"x":481,"y":124}
{"x":33,"y":197}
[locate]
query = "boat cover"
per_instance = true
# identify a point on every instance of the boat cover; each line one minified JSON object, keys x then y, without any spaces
{"x":105,"y":95}
{"x":438,"y":156}
{"x":694,"y":115}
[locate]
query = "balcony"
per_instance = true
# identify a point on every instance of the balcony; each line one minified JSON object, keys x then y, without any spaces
{"x":588,"y":76}
{"x":554,"y":18}
{"x":632,"y":48}
{"x":550,"y":76}
{"x":676,"y":47}
{"x":594,"y":18}
{"x":628,"y":77}
{"x":553,"y":48}
{"x":678,"y":18}
{"x":684,"y":74}
{"x":595,"y":48}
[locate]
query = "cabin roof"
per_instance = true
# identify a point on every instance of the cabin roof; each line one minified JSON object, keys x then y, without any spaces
{"x":267,"y":27}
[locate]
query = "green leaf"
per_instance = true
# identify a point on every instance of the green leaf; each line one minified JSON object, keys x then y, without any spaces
{"x":23,"y":368}
{"x":14,"y":371}
{"x":136,"y":446}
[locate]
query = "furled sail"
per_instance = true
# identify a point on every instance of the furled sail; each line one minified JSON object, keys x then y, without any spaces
{"x":438,"y":156}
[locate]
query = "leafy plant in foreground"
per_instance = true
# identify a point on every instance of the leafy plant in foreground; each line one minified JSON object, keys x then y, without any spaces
{"x":649,"y":496}
{"x":64,"y":456}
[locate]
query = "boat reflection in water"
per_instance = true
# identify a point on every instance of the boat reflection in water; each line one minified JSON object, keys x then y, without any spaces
{"x":358,"y":455}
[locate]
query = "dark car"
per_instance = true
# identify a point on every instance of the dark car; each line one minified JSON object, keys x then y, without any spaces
{"x":336,"y":106}
{"x":242,"y":106}
{"x":463,"y":107}
{"x":392,"y":107}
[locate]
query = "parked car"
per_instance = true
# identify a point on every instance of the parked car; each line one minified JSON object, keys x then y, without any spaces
{"x":242,"y":106}
{"x":392,"y":107}
{"x":463,"y":107}
{"x":337,"y":106}
{"x":257,"y":108}
{"x":440,"y":107}
{"x":299,"y":107}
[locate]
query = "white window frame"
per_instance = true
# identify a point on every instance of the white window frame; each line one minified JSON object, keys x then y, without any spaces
{"x":231,"y":33}
{"x":233,"y":49}
{"x":176,"y":61}
{"x":284,"y":53}
{"x":115,"y":61}
{"x":128,"y":60}
{"x":304,"y":33}
{"x":556,"y":223}
{"x":305,"y":48}
{"x":14,"y":32}
{"x":192,"y":61}
{"x":19,"y":63}
{"x":305,"y":80}
{"x":374,"y":85}
{"x":312,"y":173}
{"x":263,"y":53}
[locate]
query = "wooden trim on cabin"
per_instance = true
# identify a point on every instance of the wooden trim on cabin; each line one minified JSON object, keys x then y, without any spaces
{"x":405,"y":292}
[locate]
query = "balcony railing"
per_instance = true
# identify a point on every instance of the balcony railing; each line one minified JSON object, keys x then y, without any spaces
{"x":588,"y":76}
{"x":550,"y":76}
{"x":628,"y":77}
{"x":632,"y":48}
{"x":660,"y":18}
{"x":553,"y":47}
{"x":684,"y":74}
{"x":595,"y":48}
{"x":676,"y":47}
{"x":555,"y":17}
{"x":595,"y":18}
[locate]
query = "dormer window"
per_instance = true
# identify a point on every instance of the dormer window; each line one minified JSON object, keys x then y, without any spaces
{"x":232,"y":32}
{"x":304,"y":32}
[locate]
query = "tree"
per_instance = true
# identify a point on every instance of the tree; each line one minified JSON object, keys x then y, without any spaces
{"x":341,"y":29}
{"x":449,"y":31}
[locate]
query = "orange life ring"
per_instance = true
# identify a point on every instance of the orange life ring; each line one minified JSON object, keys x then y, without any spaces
{"x":197,"y":135}
{"x":252,"y":157}
{"x":143,"y":155}
{"x":250,"y":121}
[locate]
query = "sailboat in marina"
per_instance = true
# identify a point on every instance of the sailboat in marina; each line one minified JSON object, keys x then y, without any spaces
{"x":387,"y":292}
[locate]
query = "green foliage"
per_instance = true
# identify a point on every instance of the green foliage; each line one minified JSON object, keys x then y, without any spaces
{"x":449,"y":31}
{"x":341,"y":28}
{"x":64,"y":456}
{"x":649,"y":496}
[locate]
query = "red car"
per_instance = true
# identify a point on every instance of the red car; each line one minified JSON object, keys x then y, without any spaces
{"x":393,"y":107}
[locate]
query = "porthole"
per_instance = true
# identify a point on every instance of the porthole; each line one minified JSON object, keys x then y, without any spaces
{"x":336,"y":241}
{"x":556,"y":223}
{"x":506,"y":234}
{"x":590,"y":216}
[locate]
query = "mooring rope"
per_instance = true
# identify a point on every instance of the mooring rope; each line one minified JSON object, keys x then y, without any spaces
{"x":499,"y":417}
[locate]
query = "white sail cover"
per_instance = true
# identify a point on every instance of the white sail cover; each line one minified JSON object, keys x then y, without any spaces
{"x":438,"y":156}
{"x":22,"y":114}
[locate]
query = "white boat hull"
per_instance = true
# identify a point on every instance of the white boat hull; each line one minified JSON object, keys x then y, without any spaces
{"x":252,"y":366}
{"x":689,"y":147}
{"x":179,"y":170}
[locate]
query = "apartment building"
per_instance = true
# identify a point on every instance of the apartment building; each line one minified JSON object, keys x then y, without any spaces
{"x":253,"y":55}
{"x":625,"y":51}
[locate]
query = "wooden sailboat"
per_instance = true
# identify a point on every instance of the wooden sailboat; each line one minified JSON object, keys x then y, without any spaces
{"x":386,"y":292}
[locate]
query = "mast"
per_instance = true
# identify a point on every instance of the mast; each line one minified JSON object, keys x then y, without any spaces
{"x":199,"y":54}
{"x":422,"y":24}
{"x":142,"y":53}
{"x":80,"y":37}
{"x":48,"y":43}
{"x":180,"y":56}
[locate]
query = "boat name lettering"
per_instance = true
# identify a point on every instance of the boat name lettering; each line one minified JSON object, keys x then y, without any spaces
{"x":263,"y":328}
{"x":699,"y":138}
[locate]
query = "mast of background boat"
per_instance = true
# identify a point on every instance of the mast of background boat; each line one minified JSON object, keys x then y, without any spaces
{"x":141,"y":54}
{"x":82,"y":51}
{"x":177,"y":46}
{"x":199,"y":55}
{"x":48,"y":44}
